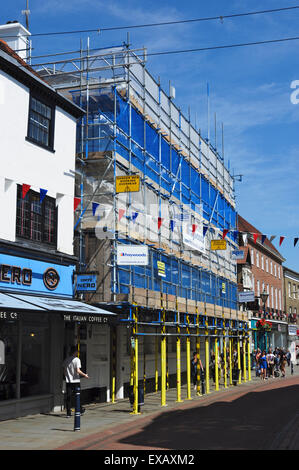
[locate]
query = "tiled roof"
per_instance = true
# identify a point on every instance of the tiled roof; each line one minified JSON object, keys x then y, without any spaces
{"x":244,"y":226}
{"x":8,"y":50}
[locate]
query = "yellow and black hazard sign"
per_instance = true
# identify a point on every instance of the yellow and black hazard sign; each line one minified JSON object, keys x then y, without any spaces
{"x":127,"y":183}
{"x":161,"y":269}
{"x":218,"y":244}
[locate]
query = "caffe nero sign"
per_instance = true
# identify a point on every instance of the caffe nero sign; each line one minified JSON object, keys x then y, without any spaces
{"x":33,"y":276}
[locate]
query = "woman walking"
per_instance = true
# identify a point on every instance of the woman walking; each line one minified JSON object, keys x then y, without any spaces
{"x":263,"y":365}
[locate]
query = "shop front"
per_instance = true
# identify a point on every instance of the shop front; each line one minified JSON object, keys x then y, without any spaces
{"x":36,"y":309}
{"x":269,"y":334}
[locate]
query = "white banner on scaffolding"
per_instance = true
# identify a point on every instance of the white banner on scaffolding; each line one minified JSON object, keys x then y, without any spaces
{"x":193,"y":239}
{"x":132,"y":255}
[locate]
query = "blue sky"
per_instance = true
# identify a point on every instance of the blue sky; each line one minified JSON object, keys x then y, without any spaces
{"x":249,"y":86}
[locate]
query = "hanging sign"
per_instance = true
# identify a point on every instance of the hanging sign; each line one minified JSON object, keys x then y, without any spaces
{"x":237,"y":254}
{"x":246,"y":296}
{"x":218,"y":244}
{"x":128,"y":183}
{"x":161,"y":269}
{"x":86,"y":283}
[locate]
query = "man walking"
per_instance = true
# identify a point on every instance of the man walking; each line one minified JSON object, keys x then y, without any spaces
{"x":72,"y":373}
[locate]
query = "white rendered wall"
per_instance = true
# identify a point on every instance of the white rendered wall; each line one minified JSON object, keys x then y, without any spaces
{"x":25,"y":162}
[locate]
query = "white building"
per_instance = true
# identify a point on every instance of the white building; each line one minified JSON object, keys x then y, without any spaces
{"x":37,"y":262}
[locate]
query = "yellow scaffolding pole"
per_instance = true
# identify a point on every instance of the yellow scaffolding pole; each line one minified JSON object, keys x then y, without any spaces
{"x":113,"y":364}
{"x":163,"y":360}
{"x":207,"y":357}
{"x":249,"y":359}
{"x":134,"y":347}
{"x":188,"y":357}
{"x":156,"y":364}
{"x":178,"y":364}
{"x":230,"y":357}
{"x":224,"y":358}
{"x":197,"y":354}
{"x":216,"y":363}
{"x":239,"y":358}
{"x":244,"y":357}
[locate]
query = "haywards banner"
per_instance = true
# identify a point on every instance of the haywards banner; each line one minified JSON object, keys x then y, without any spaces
{"x":132,"y":255}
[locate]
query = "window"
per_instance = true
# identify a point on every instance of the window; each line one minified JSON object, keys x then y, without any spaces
{"x":41,"y":123}
{"x":279,"y":294}
{"x":252,"y":256}
{"x":267,"y":265}
{"x":271,"y":267}
{"x":262,"y":261}
{"x":36,"y":221}
{"x":257,"y":260}
{"x":289,"y":286}
{"x":275,"y":272}
{"x":278,"y":271}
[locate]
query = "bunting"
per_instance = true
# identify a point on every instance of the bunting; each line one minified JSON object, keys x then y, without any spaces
{"x":295,"y":241}
{"x":194,"y":227}
{"x":255,"y":237}
{"x":25,"y":189}
{"x":95,"y":205}
{"x":134,"y":216}
{"x":160,"y":220}
{"x":172,"y":225}
{"x":205,"y":228}
{"x":225,"y":232}
{"x":120,"y":213}
{"x":42,"y":194}
{"x":281,"y":239}
{"x":77,"y":201}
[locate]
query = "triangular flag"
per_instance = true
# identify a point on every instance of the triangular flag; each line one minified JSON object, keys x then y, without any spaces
{"x":255,"y":236}
{"x":272,"y":238}
{"x":25,"y":189}
{"x":77,"y":201}
{"x":42,"y":194}
{"x":172,"y":225}
{"x":121,"y":213}
{"x":295,"y":241}
{"x":263,"y":239}
{"x":225,"y":232}
{"x":160,"y":220}
{"x":134,"y":216}
{"x":235,"y":233}
{"x":281,"y":239}
{"x":205,"y":228}
{"x":194,"y":228}
{"x":244,"y":236}
{"x":95,"y":205}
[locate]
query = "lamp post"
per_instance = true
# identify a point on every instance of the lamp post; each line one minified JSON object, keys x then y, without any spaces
{"x":264,"y":296}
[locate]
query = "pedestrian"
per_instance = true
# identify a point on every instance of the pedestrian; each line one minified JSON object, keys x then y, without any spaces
{"x":257,"y":362}
{"x":283,"y":362}
{"x":288,"y":357}
{"x":270,"y":363}
{"x":194,"y":365}
{"x":263,"y":365}
{"x":72,"y":373}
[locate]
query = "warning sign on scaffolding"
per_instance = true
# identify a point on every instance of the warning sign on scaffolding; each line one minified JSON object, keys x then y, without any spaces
{"x":127,"y":183}
{"x":218,"y":244}
{"x":161,"y":269}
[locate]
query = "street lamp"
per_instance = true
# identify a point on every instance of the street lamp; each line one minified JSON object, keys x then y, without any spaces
{"x":264,"y":296}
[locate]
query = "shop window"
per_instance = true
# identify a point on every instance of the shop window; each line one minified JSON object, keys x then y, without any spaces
{"x":36,"y":221}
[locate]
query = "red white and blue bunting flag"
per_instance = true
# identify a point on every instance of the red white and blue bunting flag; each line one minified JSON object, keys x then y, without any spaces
{"x":77,"y":201}
{"x":121,"y":213}
{"x":25,"y":189}
{"x":160,"y":220}
{"x":134,"y":216}
{"x":42,"y":194}
{"x":95,"y":205}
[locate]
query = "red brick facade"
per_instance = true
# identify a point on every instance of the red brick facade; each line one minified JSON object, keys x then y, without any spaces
{"x":267,"y":272}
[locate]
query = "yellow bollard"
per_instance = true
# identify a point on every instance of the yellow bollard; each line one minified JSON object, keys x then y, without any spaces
{"x":197,"y":354}
{"x":207,"y":359}
{"x":113,"y":364}
{"x":156,"y":365}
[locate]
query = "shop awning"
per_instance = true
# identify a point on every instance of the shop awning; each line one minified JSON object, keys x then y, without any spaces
{"x":30,"y":302}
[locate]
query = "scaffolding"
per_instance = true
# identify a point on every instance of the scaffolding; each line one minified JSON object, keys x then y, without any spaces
{"x":132,"y":127}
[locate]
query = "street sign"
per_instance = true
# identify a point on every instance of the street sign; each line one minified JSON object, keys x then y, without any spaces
{"x":161,"y":269}
{"x":86,"y":283}
{"x":218,"y":244}
{"x":246,"y":296}
{"x":128,"y":183}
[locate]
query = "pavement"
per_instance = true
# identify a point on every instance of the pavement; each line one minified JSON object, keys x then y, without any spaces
{"x":112,"y":425}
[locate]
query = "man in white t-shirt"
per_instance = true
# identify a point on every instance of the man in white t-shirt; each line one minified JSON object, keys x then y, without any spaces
{"x":72,"y":373}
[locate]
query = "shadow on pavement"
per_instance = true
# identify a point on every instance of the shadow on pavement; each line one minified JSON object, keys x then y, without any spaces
{"x":252,"y":421}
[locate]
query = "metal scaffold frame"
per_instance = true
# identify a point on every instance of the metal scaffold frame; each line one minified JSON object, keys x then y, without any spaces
{"x":132,"y":127}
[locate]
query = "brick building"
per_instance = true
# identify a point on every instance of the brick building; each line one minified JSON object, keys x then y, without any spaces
{"x":260,"y":271}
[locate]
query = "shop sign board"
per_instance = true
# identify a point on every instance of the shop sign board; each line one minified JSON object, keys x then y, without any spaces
{"x":86,"y":282}
{"x":218,"y":244}
{"x":246,"y":296}
{"x":127,"y":183}
{"x":18,"y":274}
{"x":132,"y":255}
{"x":292,"y":330}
